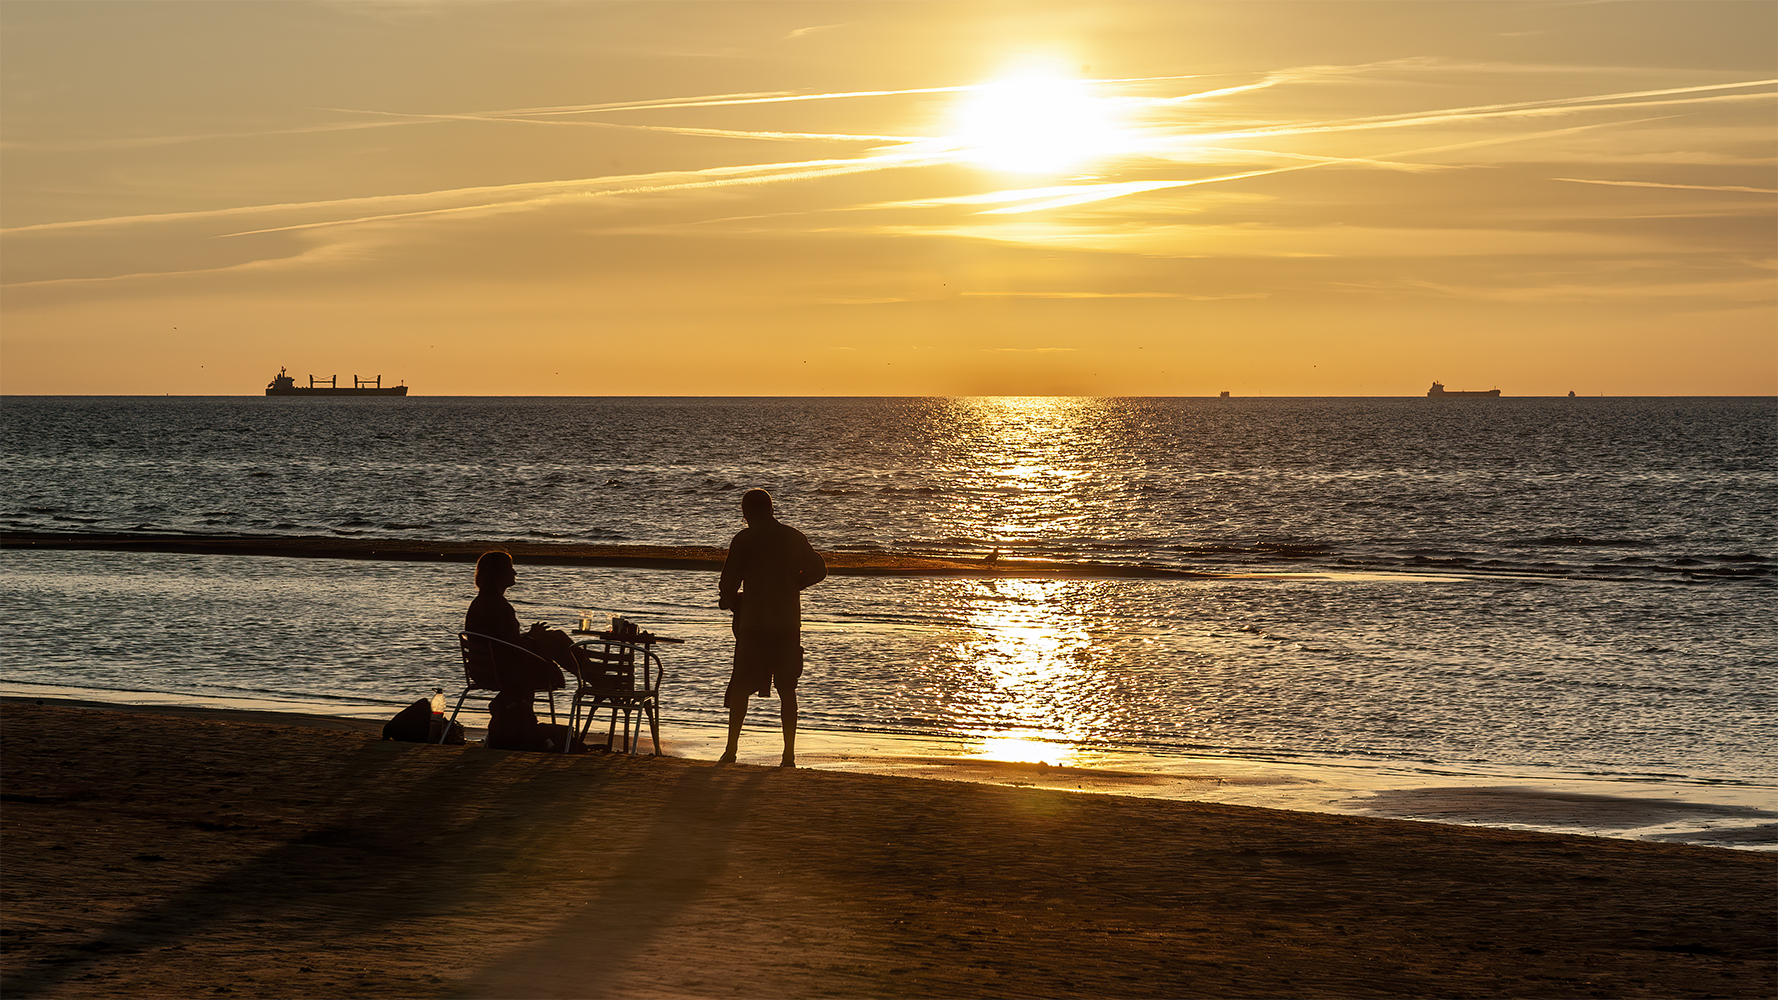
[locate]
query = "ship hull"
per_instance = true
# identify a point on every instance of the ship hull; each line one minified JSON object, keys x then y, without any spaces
{"x":393,"y":390}
{"x":1465,"y":394}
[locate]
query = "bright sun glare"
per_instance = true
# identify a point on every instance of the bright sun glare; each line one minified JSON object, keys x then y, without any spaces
{"x":1036,"y":123}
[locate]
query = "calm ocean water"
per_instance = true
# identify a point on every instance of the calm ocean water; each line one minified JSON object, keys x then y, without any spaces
{"x":1521,"y":587}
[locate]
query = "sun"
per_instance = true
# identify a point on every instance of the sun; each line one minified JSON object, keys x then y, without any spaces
{"x":1034,"y":123}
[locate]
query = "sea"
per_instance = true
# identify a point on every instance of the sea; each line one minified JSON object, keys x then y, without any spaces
{"x":1570,"y":593}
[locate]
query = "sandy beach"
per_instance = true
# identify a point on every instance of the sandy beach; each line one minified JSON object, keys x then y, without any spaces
{"x":212,"y":853}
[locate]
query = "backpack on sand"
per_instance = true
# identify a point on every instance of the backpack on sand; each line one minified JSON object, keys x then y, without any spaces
{"x":417,"y":723}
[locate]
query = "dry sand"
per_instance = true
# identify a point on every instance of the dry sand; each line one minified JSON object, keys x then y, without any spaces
{"x":205,"y":853}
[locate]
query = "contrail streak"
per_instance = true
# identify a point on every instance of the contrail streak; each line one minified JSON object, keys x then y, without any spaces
{"x":514,"y":196}
{"x":840,"y":168}
{"x":1104,"y":192}
{"x":627,"y":183}
{"x":1682,"y":187}
{"x":721,"y":133}
{"x":1559,"y":105}
{"x":732,"y":100}
{"x":1357,"y":161}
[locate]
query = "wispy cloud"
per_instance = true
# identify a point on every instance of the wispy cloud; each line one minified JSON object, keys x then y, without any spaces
{"x":518,"y":118}
{"x":1182,"y":144}
{"x":1039,"y":199}
{"x":148,"y":141}
{"x":1112,"y":295}
{"x":1516,"y":109}
{"x":317,"y":254}
{"x":1681,"y":187}
{"x":1164,"y":140}
{"x":732,"y":100}
{"x":1202,"y":154}
{"x":505,"y":196}
{"x":1713,"y":293}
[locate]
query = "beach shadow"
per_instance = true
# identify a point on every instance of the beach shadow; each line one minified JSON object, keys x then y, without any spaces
{"x":682,"y":852}
{"x":399,"y":851}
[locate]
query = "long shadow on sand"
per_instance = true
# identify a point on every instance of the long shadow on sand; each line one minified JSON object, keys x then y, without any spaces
{"x":682,"y":851}
{"x":396,"y":852}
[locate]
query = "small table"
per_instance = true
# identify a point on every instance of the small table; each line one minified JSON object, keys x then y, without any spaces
{"x":623,"y":675}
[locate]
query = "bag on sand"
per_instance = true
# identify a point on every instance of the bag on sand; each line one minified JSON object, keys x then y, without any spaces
{"x":412,"y":724}
{"x":418,"y":723}
{"x":454,"y":733}
{"x":551,"y":739}
{"x":536,"y":737}
{"x":511,"y":720}
{"x":513,"y":725}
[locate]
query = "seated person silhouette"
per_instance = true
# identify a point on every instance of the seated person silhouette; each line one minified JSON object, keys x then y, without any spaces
{"x":511,"y":719}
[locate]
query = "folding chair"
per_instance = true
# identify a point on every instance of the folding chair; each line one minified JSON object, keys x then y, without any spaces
{"x":622,"y":676}
{"x":482,"y":674}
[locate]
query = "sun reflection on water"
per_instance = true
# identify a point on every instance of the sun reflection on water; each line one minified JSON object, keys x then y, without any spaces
{"x":1030,"y":467}
{"x":1026,"y":654}
{"x":1034,"y":670}
{"x":1025,"y":750}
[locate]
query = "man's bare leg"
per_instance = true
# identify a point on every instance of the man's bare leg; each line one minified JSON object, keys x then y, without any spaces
{"x":736,"y":715}
{"x":787,"y":711}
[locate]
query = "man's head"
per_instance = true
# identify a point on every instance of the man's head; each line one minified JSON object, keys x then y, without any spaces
{"x":493,"y":571}
{"x":756,"y":506}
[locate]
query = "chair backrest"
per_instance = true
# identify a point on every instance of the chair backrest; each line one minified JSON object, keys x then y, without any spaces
{"x":650,"y":673}
{"x":480,"y":667}
{"x":618,"y":666}
{"x":608,"y":665}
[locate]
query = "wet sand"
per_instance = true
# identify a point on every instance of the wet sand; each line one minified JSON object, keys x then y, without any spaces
{"x":155,"y":854}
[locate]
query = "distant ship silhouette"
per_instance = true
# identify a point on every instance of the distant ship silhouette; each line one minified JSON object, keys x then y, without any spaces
{"x":1438,"y":391}
{"x":284,"y":385}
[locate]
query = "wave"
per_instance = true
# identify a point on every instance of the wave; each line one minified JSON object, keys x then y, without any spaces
{"x":1582,"y":541}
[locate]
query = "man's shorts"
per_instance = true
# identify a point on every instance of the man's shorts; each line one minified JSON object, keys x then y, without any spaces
{"x":761,"y":660}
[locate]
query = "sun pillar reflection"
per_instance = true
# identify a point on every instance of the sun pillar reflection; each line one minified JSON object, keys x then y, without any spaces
{"x":1027,"y":647}
{"x":1029,"y":463}
{"x":1033,"y":654}
{"x":1033,"y":468}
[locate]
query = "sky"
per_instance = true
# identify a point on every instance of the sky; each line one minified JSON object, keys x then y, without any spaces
{"x":759,"y":199}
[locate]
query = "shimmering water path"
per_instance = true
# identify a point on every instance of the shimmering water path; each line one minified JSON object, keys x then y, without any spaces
{"x":1575,"y":678}
{"x":1526,"y":590}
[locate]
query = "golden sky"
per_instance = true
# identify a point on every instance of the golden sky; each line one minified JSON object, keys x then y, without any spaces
{"x":906,"y":198}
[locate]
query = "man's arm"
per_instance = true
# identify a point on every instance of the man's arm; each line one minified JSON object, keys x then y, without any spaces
{"x":813,"y":569}
{"x":733,"y":572}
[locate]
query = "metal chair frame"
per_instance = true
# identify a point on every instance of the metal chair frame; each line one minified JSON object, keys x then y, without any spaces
{"x":625,"y":678}
{"x":485,"y":692}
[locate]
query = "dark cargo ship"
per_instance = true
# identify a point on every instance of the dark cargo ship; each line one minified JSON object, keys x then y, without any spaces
{"x":284,"y":385}
{"x":1438,"y":391}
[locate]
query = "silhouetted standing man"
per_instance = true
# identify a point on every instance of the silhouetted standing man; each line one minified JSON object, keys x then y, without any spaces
{"x":769,"y":565}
